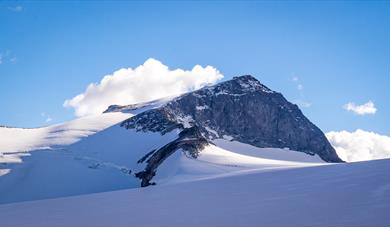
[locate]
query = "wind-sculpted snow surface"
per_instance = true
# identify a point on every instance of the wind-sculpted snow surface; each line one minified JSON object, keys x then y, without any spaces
{"x":37,"y":164}
{"x":16,"y":143}
{"x":26,"y":139}
{"x":356,"y":194}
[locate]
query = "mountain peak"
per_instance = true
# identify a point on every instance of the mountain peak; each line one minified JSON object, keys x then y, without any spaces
{"x":251,"y":83}
{"x":241,"y":109}
{"x":237,"y":86}
{"x":246,"y":83}
{"x":245,"y":78}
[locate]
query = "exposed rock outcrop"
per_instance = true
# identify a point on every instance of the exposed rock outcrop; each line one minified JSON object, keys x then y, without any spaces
{"x":242,"y":109}
{"x":190,"y":141}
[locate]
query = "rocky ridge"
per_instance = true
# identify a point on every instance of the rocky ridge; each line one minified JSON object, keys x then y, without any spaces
{"x":241,"y":109}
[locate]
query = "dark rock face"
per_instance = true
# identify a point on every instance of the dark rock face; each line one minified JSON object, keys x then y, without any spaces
{"x":244,"y":109}
{"x":252,"y":113}
{"x":156,"y":120}
{"x":190,"y":140}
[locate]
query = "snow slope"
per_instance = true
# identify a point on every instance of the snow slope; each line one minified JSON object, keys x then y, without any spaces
{"x":98,"y":163}
{"x":356,"y":194}
{"x":16,"y":141}
{"x":227,"y":158}
{"x":108,"y":160}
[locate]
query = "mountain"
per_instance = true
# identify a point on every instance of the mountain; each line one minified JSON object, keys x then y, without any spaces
{"x":223,"y":130}
{"x":233,"y":154}
{"x":241,"y":109}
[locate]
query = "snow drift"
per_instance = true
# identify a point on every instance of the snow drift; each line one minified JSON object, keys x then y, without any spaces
{"x":331,"y":195}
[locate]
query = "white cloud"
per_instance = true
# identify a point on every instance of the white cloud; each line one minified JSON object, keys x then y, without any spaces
{"x":300,"y":87}
{"x":367,"y":108}
{"x":152,"y":80}
{"x":295,"y":78}
{"x":359,"y":145}
{"x":16,"y":8}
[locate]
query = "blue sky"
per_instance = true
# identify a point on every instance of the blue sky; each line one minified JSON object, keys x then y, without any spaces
{"x":339,"y":51}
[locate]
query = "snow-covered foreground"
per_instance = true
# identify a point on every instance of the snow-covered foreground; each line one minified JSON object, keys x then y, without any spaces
{"x":56,"y":165}
{"x":98,"y":163}
{"x":228,"y":184}
{"x":356,"y":194}
{"x":107,"y":160}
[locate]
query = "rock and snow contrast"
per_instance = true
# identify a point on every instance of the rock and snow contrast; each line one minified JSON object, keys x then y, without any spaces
{"x":236,"y":153}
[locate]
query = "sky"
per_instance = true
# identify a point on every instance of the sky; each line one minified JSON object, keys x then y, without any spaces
{"x":331,"y":58}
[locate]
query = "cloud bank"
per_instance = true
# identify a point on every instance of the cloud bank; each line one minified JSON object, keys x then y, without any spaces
{"x":150,"y":81}
{"x":367,"y":108}
{"x":359,"y":145}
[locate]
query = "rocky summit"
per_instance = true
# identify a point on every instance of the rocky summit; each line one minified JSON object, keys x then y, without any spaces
{"x":241,"y":109}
